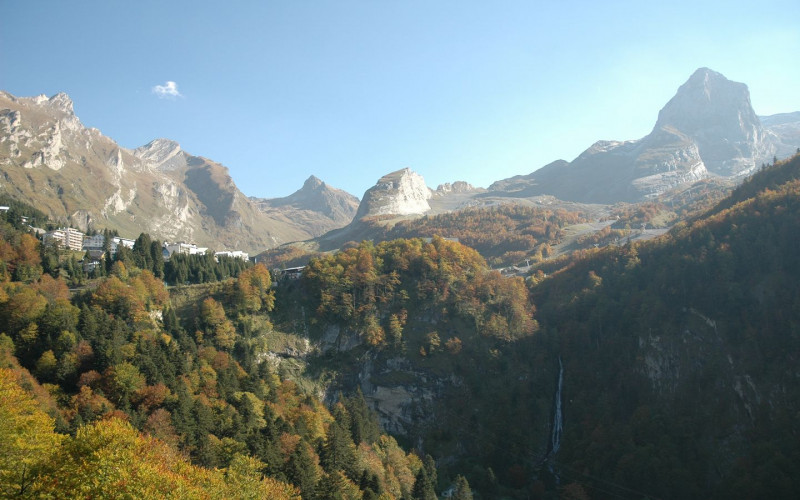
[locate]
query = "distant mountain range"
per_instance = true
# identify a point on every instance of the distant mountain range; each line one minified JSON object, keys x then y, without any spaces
{"x":707,"y":129}
{"x":77,"y":175}
{"x":83,"y":178}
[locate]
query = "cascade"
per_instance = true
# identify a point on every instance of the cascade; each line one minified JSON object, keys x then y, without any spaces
{"x":557,"y":429}
{"x":558,"y":417}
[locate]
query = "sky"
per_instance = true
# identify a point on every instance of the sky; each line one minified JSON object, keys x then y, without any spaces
{"x":351,"y":90}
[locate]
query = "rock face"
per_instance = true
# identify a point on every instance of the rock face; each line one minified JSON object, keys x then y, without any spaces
{"x":458,"y":187}
{"x":163,"y":154}
{"x":399,"y":193}
{"x":784,"y":131}
{"x":79,"y":176}
{"x":708,"y":128}
{"x":716,"y":114}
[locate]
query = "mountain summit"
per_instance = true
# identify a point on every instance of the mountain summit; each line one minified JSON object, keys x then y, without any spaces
{"x":717,"y":115}
{"x":402,"y":192}
{"x":708,"y":128}
{"x":316,"y":207}
{"x":164,"y":154}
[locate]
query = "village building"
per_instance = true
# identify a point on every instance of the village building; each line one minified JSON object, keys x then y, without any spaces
{"x":292,"y":273}
{"x":184,"y":248}
{"x":66,"y":237}
{"x":236,"y":254}
{"x":97,"y":241}
{"x":116,"y":241}
{"x":94,"y":242}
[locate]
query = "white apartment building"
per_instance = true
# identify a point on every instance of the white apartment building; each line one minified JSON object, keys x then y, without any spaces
{"x":236,"y":254}
{"x":184,"y":248}
{"x":66,"y":236}
{"x":97,"y":241}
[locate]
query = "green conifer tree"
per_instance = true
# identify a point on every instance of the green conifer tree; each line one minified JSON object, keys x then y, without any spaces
{"x":462,"y":489}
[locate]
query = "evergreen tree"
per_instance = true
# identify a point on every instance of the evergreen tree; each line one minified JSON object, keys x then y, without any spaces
{"x":124,"y":255}
{"x":301,"y":470}
{"x":462,"y":489}
{"x":430,"y":468}
{"x":157,"y":254}
{"x":363,"y":422}
{"x":338,"y":453}
{"x":141,"y":252}
{"x":370,"y":485}
{"x":423,"y":486}
{"x":336,"y":486}
{"x":107,"y":260}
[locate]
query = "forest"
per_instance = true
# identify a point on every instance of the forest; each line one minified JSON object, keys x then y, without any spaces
{"x":148,"y":378}
{"x":108,"y":392}
{"x":504,"y":235}
{"x":678,"y":354}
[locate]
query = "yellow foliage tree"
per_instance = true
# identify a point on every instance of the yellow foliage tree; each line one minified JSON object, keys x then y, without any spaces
{"x":110,"y":459}
{"x":213,"y":315}
{"x":27,"y":439}
{"x":253,"y":289}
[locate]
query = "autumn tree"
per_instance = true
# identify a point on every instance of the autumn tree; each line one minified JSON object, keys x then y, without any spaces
{"x":27,"y":262}
{"x":253,"y":289}
{"x":217,"y":323}
{"x":27,"y":438}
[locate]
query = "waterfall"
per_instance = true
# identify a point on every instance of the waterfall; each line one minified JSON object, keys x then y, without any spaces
{"x":557,"y":429}
{"x":558,"y":417}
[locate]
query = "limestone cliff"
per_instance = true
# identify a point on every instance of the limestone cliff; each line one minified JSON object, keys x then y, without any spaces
{"x":399,"y":193}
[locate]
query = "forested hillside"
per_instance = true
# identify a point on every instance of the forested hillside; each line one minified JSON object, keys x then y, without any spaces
{"x":504,"y":235}
{"x":426,"y":330}
{"x":679,"y":354}
{"x":111,"y":391}
{"x":679,"y":364}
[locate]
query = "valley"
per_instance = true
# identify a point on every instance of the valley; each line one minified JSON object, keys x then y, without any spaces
{"x":624,"y":325}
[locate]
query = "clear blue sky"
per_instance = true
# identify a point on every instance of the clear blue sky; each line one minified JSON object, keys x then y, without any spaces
{"x":351,"y":90}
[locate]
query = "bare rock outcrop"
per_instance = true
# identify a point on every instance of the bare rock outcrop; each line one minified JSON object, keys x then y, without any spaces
{"x":402,"y":192}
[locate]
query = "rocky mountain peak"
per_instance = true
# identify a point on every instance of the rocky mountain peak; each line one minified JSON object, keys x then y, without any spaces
{"x":312,"y":183}
{"x":707,"y":128}
{"x":717,"y":115}
{"x":709,"y":100}
{"x":162,"y":153}
{"x":317,"y":206}
{"x":402,"y":192}
{"x":318,"y":196}
{"x":49,"y":160}
{"x":62,"y":101}
{"x":456,"y":187}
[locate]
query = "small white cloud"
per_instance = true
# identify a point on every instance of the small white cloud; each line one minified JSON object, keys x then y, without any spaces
{"x":167,"y":91}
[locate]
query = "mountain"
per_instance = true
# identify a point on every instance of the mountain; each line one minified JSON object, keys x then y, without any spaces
{"x":785,"y":131}
{"x":716,"y":115}
{"x":316,"y":208}
{"x":399,"y":193}
{"x":669,"y":367}
{"x":682,"y":353}
{"x":49,"y":159}
{"x":398,"y":196}
{"x":707,"y":132}
{"x":707,"y":129}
